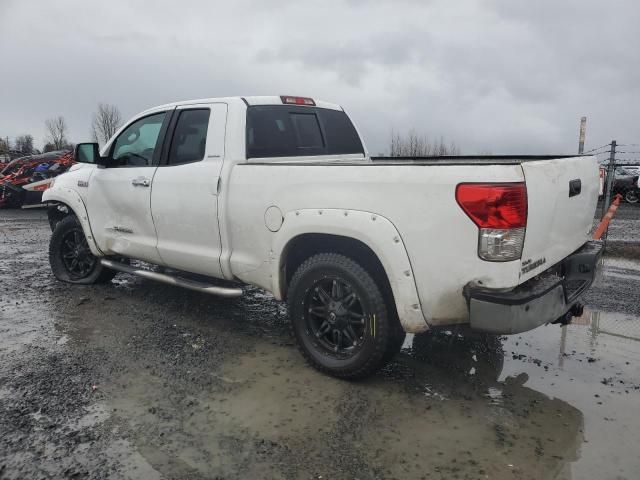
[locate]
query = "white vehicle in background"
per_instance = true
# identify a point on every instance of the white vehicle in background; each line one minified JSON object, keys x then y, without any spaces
{"x":279,"y":192}
{"x":632,"y":169}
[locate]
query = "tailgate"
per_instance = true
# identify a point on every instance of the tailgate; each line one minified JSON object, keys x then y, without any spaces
{"x":559,"y":218}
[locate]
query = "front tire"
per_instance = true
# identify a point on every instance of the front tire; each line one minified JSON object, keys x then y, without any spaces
{"x":339,"y":317}
{"x":71,"y":259}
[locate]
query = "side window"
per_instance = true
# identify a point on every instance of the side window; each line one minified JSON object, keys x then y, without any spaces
{"x":189,"y":137}
{"x":136,"y":145}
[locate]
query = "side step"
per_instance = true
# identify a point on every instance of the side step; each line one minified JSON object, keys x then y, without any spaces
{"x":171,"y":280}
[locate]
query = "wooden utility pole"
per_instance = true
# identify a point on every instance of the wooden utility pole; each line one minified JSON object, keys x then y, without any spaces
{"x":583,"y":131}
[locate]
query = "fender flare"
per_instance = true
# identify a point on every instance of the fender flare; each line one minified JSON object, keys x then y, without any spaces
{"x":74,"y":202}
{"x":376,"y":232}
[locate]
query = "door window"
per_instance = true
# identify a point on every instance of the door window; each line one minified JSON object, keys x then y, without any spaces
{"x":136,"y":145}
{"x":190,"y":137}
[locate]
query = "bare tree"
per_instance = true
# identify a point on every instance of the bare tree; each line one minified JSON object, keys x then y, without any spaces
{"x":24,"y":143}
{"x":57,"y":132}
{"x":106,"y":122}
{"x":414,"y":145}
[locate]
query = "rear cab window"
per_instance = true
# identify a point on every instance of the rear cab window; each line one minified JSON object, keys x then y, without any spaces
{"x":292,"y":131}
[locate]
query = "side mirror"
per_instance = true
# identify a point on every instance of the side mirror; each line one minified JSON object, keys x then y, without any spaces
{"x":90,"y":153}
{"x":87,"y":153}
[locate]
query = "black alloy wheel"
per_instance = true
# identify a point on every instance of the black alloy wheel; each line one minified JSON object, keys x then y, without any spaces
{"x":336,"y":316}
{"x":76,"y":255}
{"x":71,"y":258}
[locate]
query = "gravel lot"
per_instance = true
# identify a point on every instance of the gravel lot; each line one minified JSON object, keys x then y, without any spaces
{"x":138,"y":380}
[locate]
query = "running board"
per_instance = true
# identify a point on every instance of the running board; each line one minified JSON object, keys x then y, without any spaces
{"x":171,"y":280}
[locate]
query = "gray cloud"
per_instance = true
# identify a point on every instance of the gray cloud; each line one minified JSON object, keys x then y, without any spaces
{"x":496,"y":75}
{"x":351,"y":57}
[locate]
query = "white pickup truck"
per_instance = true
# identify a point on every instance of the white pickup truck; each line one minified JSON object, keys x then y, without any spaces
{"x":280,"y":192}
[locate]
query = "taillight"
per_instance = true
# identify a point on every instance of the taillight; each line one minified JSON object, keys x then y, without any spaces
{"x":500,"y":212}
{"x":297,"y":100}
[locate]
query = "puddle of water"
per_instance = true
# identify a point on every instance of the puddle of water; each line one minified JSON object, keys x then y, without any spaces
{"x":132,"y":464}
{"x":97,"y":413}
{"x":269,"y":405}
{"x":594,"y":365}
{"x":21,"y":330}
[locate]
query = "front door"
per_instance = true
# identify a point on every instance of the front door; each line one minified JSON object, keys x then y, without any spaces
{"x":184,"y":198}
{"x":119,"y":195}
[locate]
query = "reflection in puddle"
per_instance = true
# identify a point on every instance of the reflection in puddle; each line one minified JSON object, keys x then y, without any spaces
{"x":610,"y":323}
{"x":430,"y":392}
{"x":495,"y":395}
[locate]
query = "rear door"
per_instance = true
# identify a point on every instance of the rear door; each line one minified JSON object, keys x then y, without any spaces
{"x":184,"y":197}
{"x":562,"y":197}
{"x":119,"y":196}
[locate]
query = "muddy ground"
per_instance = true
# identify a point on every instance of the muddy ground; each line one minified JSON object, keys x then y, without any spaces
{"x":138,"y":380}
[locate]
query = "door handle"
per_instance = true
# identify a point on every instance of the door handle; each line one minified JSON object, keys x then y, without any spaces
{"x":140,"y":182}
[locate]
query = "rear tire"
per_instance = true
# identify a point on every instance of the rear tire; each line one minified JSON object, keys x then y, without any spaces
{"x":339,"y":317}
{"x":71,"y":259}
{"x":396,"y":340}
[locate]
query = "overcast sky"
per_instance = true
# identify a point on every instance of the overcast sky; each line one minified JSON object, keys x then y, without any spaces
{"x":504,"y":76}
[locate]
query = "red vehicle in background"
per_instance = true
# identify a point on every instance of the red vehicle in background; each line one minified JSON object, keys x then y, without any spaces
{"x":23,"y":180}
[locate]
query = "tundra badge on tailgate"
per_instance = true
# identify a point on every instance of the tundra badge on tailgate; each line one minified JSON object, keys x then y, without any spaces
{"x":529,"y":265}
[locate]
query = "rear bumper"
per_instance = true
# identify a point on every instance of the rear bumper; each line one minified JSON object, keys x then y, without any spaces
{"x":543,"y":299}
